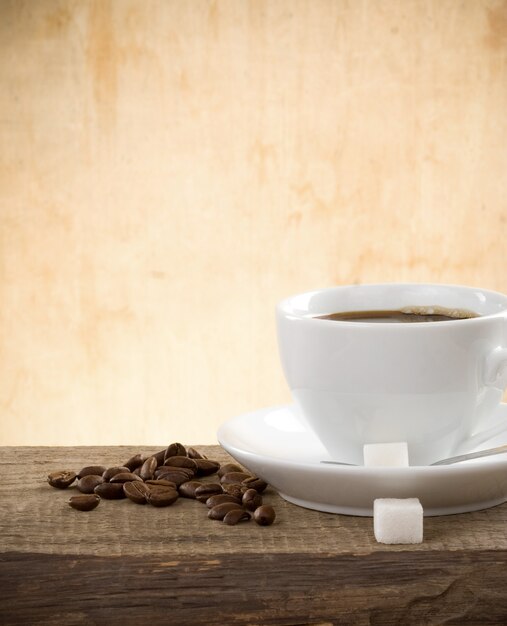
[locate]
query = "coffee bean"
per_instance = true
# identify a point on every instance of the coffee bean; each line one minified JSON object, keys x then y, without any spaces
{"x":97,"y":470}
{"x":229,"y":467}
{"x":164,"y":469}
{"x":265,"y":515}
{"x":234,"y":489}
{"x":192,"y":453}
{"x":235,"y":516}
{"x":234,"y":477}
{"x":186,"y":471}
{"x":220,"y":499}
{"x":162,"y":488}
{"x":255,"y":483}
{"x":84,"y":503}
{"x":88,"y":483}
{"x":206,"y":490}
{"x":161,"y":482}
{"x":220,"y":510}
{"x":187,"y":490}
{"x":124,"y":477}
{"x":206,"y":467}
{"x":135,"y":461}
{"x":112,"y":471}
{"x":160,"y":457}
{"x":174,"y":475}
{"x":175,"y":449}
{"x":61,"y":479}
{"x":251,"y":499}
{"x":136,"y":491}
{"x":110,"y":491}
{"x":137,"y":471}
{"x":181,"y":461}
{"x":161,"y":496}
{"x":148,"y":468}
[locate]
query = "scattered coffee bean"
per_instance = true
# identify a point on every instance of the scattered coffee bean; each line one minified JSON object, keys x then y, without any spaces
{"x":91,"y":469}
{"x":187,"y":490}
{"x":110,"y":491}
{"x":112,"y":471}
{"x":193,"y":454}
{"x":160,"y":457}
{"x":251,"y":499}
{"x":162,"y":488}
{"x":148,"y":468}
{"x":175,"y":449}
{"x":235,"y":516}
{"x":135,"y":461}
{"x":255,"y":483}
{"x":160,"y":478}
{"x":181,"y":461}
{"x":234,"y":477}
{"x":206,"y":490}
{"x":84,"y":503}
{"x":165,"y":469}
{"x":161,"y":482}
{"x":234,"y":489}
{"x":88,"y":483}
{"x":61,"y":479}
{"x":124,"y":477}
{"x":220,"y":510}
{"x":229,"y":467}
{"x":136,"y":491}
{"x":265,"y":515}
{"x":206,"y":467}
{"x":174,"y":474}
{"x":161,"y":496}
{"x":220,"y":499}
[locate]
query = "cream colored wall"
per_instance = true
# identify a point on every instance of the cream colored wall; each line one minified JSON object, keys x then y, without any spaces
{"x":171,"y":169}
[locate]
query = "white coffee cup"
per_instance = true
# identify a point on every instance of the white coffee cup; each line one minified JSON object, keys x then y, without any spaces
{"x":435,"y":385}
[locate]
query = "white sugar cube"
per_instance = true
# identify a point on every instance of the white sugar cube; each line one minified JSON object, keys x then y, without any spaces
{"x":398,"y":520}
{"x":385,"y":454}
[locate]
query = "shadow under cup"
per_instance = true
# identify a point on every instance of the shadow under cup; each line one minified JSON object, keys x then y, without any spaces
{"x":435,"y":385}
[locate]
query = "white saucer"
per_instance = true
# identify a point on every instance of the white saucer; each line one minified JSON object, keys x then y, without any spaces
{"x":275,"y":444}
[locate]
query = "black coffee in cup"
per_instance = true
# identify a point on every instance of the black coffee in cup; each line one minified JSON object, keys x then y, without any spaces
{"x":408,"y":315}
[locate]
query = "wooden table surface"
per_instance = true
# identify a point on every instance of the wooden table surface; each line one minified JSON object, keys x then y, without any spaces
{"x":125,"y":564}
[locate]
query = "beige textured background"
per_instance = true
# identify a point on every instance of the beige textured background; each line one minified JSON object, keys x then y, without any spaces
{"x":170,"y":169}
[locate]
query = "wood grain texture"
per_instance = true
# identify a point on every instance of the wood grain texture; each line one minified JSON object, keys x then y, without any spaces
{"x":382,"y":588}
{"x":123,"y":563}
{"x":170,"y":170}
{"x":27,"y":524}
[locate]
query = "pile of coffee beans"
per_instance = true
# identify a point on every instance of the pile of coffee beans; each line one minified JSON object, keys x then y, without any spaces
{"x":233,"y":496}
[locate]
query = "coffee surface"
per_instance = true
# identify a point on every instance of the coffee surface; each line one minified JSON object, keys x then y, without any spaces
{"x":404,"y":316}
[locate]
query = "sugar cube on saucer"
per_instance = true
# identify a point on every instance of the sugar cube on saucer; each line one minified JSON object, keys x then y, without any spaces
{"x":398,"y":520}
{"x":385,"y":454}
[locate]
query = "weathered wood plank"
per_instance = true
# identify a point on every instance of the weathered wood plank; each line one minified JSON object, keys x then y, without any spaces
{"x":36,"y":518}
{"x":122,"y":561}
{"x":383,"y":588}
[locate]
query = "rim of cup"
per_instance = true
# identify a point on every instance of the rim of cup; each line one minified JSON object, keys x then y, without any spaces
{"x":292,"y":307}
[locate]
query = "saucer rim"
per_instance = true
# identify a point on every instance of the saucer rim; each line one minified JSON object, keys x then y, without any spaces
{"x":474,"y":466}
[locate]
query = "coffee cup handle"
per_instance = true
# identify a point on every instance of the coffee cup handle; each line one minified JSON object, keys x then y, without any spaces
{"x":495,"y":372}
{"x":495,"y":375}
